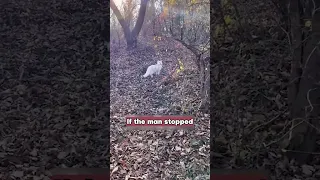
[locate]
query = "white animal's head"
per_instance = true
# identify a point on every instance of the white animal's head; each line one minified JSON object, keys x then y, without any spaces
{"x":159,"y":62}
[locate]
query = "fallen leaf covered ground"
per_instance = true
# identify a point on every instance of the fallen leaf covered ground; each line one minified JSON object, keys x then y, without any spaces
{"x":53,"y":87}
{"x":54,"y":99}
{"x":161,"y":154}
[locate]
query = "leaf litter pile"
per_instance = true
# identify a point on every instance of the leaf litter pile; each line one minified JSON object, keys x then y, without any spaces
{"x":53,"y":87}
{"x":158,"y":154}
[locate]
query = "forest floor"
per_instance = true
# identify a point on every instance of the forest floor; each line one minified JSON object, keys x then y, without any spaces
{"x":162,"y":154}
{"x":53,"y":87}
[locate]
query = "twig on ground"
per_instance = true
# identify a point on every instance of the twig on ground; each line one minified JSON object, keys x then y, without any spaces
{"x":266,"y":123}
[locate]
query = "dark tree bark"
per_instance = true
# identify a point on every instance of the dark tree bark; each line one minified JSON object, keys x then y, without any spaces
{"x":304,"y":92}
{"x":131,"y":36}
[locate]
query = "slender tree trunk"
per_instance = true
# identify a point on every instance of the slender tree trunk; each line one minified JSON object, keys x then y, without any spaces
{"x":304,"y":93}
{"x":131,"y":36}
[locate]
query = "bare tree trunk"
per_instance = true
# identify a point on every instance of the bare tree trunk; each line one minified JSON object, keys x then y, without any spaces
{"x":304,"y":93}
{"x":131,"y":36}
{"x":296,"y":36}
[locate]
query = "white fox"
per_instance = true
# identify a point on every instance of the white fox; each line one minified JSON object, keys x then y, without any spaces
{"x":153,"y":69}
